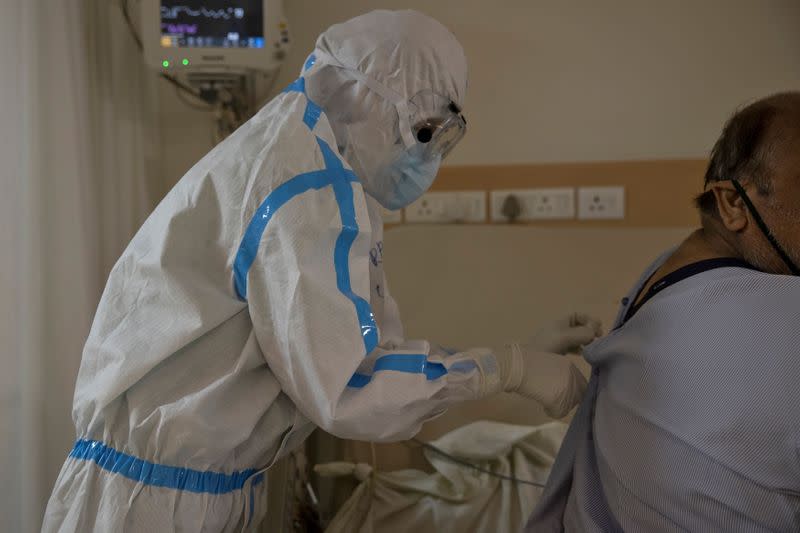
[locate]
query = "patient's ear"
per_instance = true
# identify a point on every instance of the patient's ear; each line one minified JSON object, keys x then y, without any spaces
{"x":730,"y":206}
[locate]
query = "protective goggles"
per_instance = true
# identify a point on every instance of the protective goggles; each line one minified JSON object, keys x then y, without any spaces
{"x":437,"y":123}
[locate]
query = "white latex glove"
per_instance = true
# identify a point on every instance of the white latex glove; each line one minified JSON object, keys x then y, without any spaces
{"x":566,"y":335}
{"x":537,"y":371}
{"x":548,"y":378}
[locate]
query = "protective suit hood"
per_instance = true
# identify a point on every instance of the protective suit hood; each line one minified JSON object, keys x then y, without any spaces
{"x":360,"y":66}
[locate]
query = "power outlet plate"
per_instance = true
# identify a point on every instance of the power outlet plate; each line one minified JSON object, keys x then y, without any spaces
{"x":448,"y":207}
{"x":601,"y":203}
{"x":536,"y":204}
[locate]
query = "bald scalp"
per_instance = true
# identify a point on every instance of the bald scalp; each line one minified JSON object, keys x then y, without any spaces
{"x":754,"y":143}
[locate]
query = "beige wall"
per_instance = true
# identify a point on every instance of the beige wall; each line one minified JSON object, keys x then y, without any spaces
{"x":658,"y":193}
{"x":575,"y":80}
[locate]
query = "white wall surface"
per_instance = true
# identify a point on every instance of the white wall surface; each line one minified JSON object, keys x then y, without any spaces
{"x":575,"y":80}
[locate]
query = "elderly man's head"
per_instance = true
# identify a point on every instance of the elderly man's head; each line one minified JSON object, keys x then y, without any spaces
{"x":758,"y":154}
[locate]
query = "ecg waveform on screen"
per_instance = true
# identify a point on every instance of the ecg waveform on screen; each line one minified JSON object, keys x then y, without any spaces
{"x":176,"y":12}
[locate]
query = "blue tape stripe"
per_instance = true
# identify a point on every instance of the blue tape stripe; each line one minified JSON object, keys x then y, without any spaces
{"x":415,"y":364}
{"x":332,"y":161}
{"x":407,"y":363}
{"x":309,"y":62}
{"x":255,"y":230}
{"x":312,"y":114}
{"x":341,"y":261}
{"x":344,"y":243}
{"x":358,"y":381}
{"x":158,"y":475}
{"x":285,"y":192}
{"x":297,"y":86}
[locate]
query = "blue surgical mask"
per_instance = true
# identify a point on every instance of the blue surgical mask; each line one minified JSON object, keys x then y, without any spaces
{"x":405,"y":179}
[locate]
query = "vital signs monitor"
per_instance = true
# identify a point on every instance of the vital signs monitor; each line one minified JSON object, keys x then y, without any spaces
{"x":223,"y":35}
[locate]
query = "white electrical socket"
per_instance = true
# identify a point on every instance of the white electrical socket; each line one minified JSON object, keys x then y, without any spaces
{"x":606,"y":203}
{"x":444,"y":207}
{"x":391,"y":217}
{"x":536,"y":204}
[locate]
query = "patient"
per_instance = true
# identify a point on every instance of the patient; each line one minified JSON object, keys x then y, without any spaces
{"x":692,"y":417}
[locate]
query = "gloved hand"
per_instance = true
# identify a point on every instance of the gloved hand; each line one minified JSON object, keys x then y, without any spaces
{"x":535,"y":371}
{"x":548,"y":378}
{"x":566,"y":335}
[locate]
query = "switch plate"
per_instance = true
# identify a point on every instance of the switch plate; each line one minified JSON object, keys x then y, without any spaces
{"x":446,"y":207}
{"x":536,"y":204}
{"x":601,"y":203}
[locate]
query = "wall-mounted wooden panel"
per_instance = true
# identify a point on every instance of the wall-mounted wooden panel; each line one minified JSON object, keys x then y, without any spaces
{"x":658,"y":193}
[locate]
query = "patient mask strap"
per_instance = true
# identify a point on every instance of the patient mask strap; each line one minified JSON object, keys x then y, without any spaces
{"x":765,"y":230}
{"x":400,"y":103}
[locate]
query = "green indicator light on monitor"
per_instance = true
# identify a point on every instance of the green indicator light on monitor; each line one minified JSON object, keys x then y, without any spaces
{"x":165,"y":63}
{"x":185,"y":62}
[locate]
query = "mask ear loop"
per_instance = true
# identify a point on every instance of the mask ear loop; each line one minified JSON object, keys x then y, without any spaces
{"x":764,"y":229}
{"x":400,"y":103}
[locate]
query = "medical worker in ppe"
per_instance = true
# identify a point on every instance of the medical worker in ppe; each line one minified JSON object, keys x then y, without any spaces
{"x":251,"y":307}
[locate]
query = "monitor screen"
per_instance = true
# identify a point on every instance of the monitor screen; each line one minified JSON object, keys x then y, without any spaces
{"x":212,"y":23}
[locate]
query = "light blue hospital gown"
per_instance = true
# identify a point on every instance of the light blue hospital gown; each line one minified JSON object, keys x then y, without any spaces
{"x":692,"y":417}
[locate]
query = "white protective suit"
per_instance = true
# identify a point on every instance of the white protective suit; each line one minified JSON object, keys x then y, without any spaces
{"x":251,"y":307}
